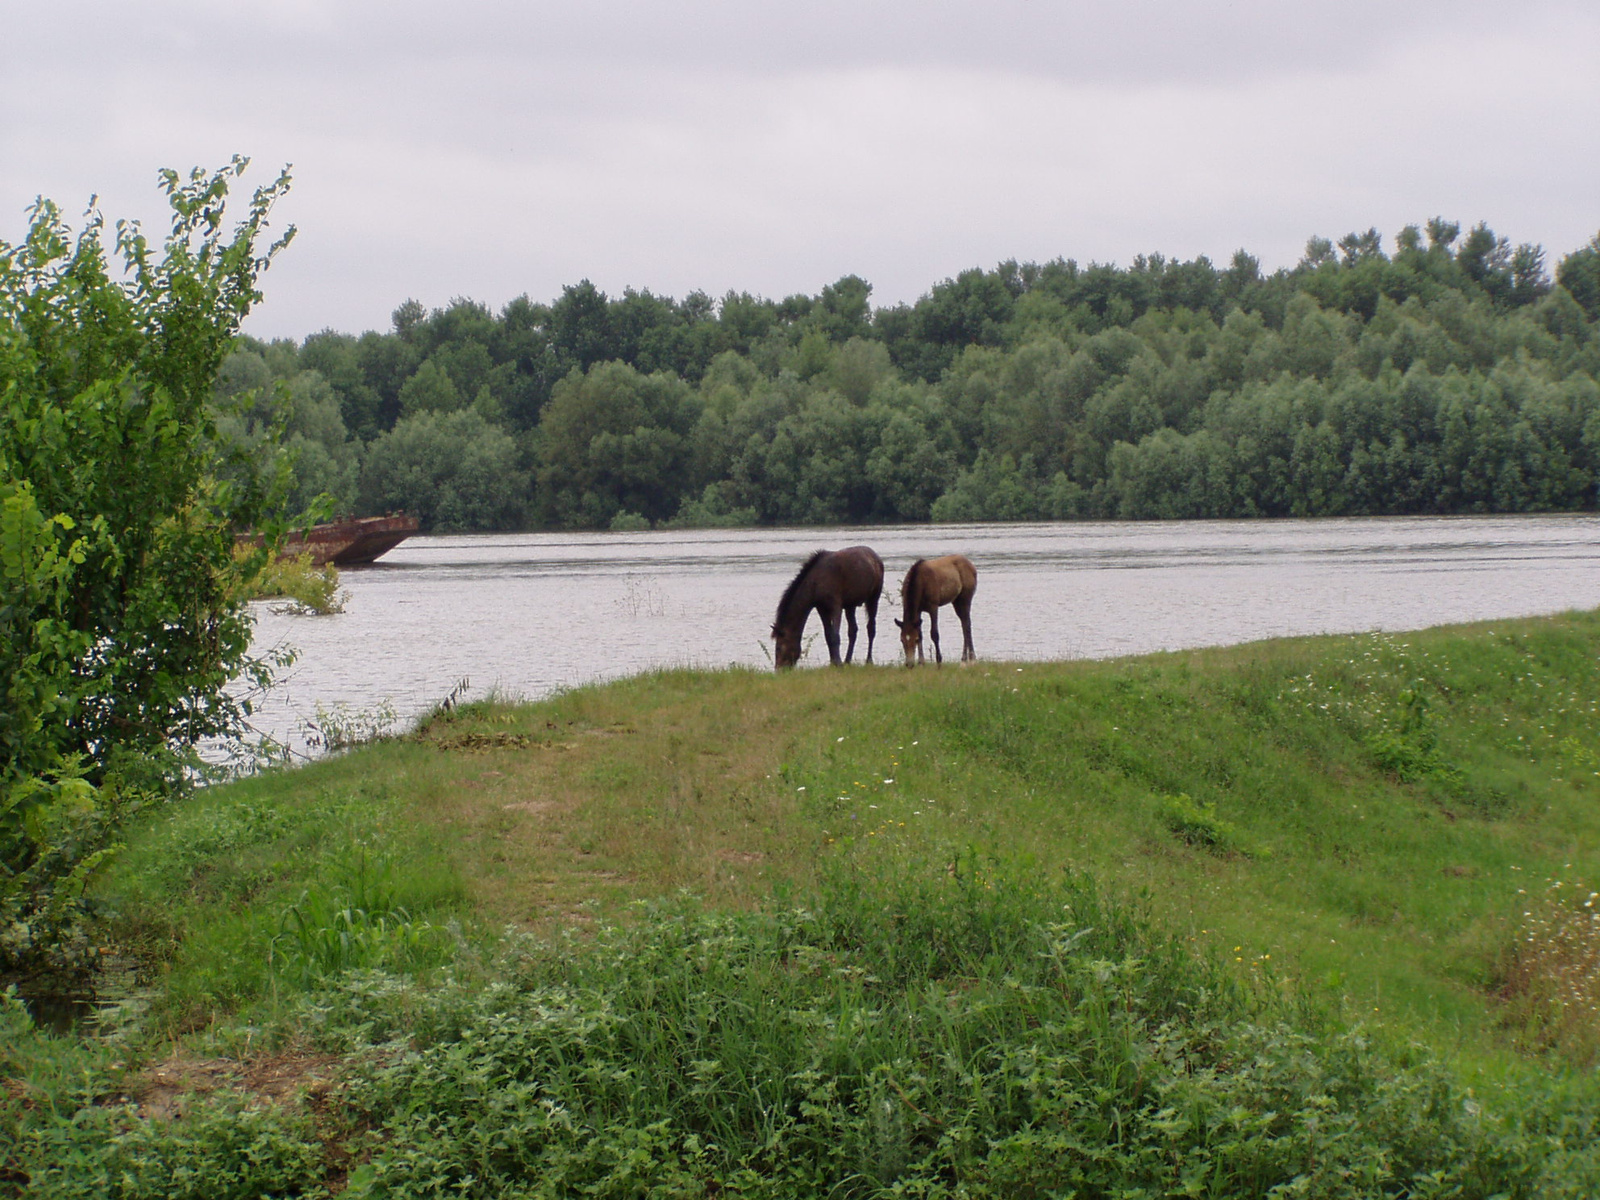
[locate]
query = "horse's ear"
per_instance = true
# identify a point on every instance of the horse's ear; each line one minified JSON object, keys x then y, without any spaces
{"x":776,"y":632}
{"x":899,"y":622}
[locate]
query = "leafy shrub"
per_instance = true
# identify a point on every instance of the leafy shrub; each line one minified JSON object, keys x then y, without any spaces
{"x":122,"y":618}
{"x":310,"y":589}
{"x":57,"y":831}
{"x":120,"y":622}
{"x":712,"y":510}
{"x":1405,"y":742}
{"x":222,"y":1149}
{"x":1198,"y":824}
{"x":629,"y":522}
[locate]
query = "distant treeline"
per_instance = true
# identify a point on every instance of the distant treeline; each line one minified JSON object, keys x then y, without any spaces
{"x":1453,"y":375}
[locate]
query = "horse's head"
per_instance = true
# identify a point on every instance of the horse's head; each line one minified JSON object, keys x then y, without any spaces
{"x":911,"y":639}
{"x":786,"y":646}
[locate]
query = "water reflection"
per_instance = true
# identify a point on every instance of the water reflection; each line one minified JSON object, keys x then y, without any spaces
{"x":529,"y":613}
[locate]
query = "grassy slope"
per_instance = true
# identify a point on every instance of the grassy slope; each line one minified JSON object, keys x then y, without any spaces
{"x":1377,"y":800}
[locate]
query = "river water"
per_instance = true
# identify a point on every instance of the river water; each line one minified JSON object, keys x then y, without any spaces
{"x":531,"y":613}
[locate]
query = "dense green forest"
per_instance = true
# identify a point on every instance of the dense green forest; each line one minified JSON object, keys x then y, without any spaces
{"x":1451,"y":375}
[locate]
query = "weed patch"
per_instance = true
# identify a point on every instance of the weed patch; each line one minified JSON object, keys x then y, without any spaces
{"x":1552,"y":978}
{"x":983,"y":1032}
{"x":1198,"y":824}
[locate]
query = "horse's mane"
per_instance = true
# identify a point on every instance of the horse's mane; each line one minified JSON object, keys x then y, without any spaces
{"x":911,"y":592}
{"x":794,"y":584}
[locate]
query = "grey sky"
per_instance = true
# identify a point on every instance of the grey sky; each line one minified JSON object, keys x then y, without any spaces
{"x":486,"y":149}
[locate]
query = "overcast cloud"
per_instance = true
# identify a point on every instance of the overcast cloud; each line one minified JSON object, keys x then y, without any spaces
{"x":489,"y":150}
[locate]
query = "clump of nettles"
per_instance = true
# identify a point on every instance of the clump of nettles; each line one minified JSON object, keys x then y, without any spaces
{"x":1197,"y":823}
{"x":1552,"y":981}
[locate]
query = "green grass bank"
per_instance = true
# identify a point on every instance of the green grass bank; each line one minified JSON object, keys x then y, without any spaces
{"x":1313,"y":915}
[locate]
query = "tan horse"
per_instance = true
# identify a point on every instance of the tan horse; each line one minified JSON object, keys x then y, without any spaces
{"x":833,"y":582}
{"x":930,"y":583}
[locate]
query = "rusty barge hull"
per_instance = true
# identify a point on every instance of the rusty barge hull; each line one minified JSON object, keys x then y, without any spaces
{"x":348,"y":543}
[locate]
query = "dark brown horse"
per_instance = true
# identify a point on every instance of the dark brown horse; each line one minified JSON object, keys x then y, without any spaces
{"x":832,"y":582}
{"x":931,"y":582}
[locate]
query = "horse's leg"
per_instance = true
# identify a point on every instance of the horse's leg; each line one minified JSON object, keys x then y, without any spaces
{"x":963,"y":607}
{"x":872,"y":624}
{"x":830,"y":630}
{"x":850,"y":617}
{"x":933,"y":630}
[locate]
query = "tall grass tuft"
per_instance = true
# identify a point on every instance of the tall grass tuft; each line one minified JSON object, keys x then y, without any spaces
{"x":354,"y":925}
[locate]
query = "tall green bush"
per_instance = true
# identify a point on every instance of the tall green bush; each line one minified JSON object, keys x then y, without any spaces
{"x":121,"y":622}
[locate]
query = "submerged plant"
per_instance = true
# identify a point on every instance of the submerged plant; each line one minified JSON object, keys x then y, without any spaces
{"x":309,"y":589}
{"x":342,"y":727}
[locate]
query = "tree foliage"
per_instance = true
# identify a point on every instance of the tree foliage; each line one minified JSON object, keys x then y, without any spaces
{"x":120,"y":625}
{"x":1447,"y":374}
